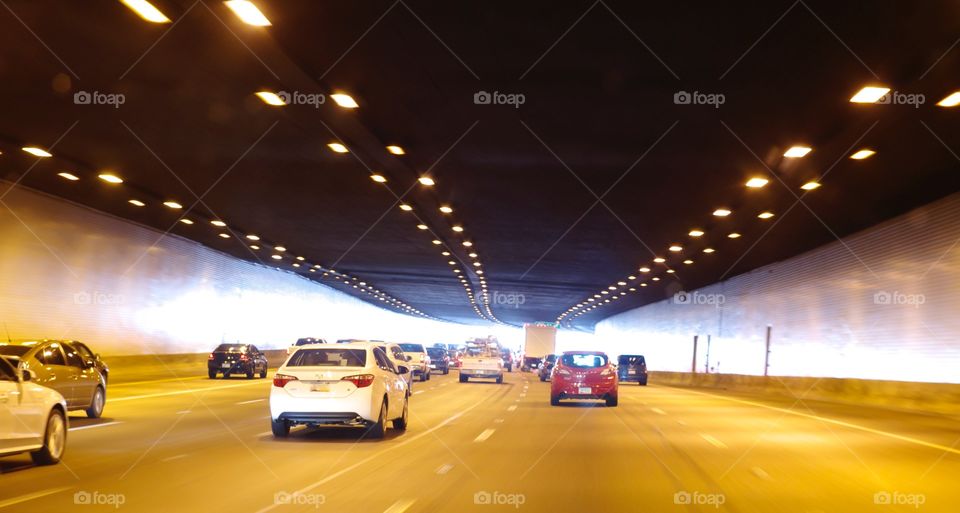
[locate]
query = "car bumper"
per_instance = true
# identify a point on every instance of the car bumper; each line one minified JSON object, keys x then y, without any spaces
{"x":641,"y":378}
{"x":481,"y":373}
{"x":582,"y":390}
{"x":357,"y":407}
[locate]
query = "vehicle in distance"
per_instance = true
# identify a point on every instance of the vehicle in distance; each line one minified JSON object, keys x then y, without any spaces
{"x":230,"y":359}
{"x":584,"y":375}
{"x":439,"y":360}
{"x":546,"y":367}
{"x":71,"y":369}
{"x":353,"y":384}
{"x":305,"y":341}
{"x":481,"y":362}
{"x":33,"y":418}
{"x":632,"y":367}
{"x":419,"y":360}
{"x":398,"y":358}
{"x":539,"y":341}
{"x":507,"y":356}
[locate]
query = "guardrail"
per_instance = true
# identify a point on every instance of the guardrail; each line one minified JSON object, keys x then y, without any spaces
{"x":130,"y":368}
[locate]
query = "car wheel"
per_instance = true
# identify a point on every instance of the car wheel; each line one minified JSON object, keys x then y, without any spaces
{"x":54,"y":440}
{"x":250,"y":373}
{"x":542,"y":378}
{"x":463,"y":379}
{"x":212,"y":374}
{"x":429,"y":374}
{"x":446,"y":371}
{"x":377,"y":430}
{"x":612,"y":401}
{"x":96,"y":403}
{"x":400,"y":424}
{"x":642,"y":383}
{"x":499,"y":379}
{"x":280,"y":428}
{"x":263,"y":373}
{"x":226,"y":375}
{"x":554,"y":400}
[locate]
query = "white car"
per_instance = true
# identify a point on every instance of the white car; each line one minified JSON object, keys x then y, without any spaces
{"x":305,"y":341}
{"x":420,"y":360}
{"x":400,"y":359}
{"x":346,"y":384}
{"x":33,"y":418}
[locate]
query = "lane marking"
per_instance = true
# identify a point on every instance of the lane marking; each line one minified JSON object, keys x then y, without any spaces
{"x":682,"y":423}
{"x":443,"y":469}
{"x":81,"y":428}
{"x":482,"y":437}
{"x":523,"y":395}
{"x":713,"y":441}
{"x":400,"y":506}
{"x":184,"y":412}
{"x":182,"y":392}
{"x":172,"y":458}
{"x":658,"y":411}
{"x":902,"y":438}
{"x":251,"y":401}
{"x":512,"y":407}
{"x":498,"y":421}
{"x":762,"y":474}
{"x":418,"y":392}
{"x":31,"y":496}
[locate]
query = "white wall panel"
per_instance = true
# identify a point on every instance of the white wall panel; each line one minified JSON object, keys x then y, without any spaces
{"x":826,"y":317}
{"x":70,"y":272}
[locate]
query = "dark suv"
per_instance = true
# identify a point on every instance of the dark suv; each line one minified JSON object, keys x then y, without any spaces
{"x":236,"y":359}
{"x":547,"y":367}
{"x":507,"y":357}
{"x":632,"y":367}
{"x":439,"y":359}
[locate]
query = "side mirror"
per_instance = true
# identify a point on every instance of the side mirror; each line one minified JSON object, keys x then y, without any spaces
{"x":402,"y":370}
{"x":28,"y":375}
{"x":409,"y":358}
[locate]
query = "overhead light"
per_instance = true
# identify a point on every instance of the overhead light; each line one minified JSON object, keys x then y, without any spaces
{"x":756,"y":183}
{"x":655,"y":278}
{"x":146,"y":10}
{"x":422,"y":226}
{"x":218,"y":223}
{"x":863,"y":154}
{"x":281,"y":249}
{"x":688,"y":262}
{"x":631,"y":277}
{"x":734,"y":235}
{"x":796,"y":152}
{"x":436,"y":242}
{"x":186,"y":221}
{"x":248,"y":13}
{"x":405,"y":207}
{"x":670,"y":271}
{"x":296,"y":264}
{"x":337,"y":147}
{"x":344,"y":100}
{"x":173,"y":204}
{"x":68,"y":176}
{"x":136,"y":203}
{"x":396,"y":150}
{"x":276,"y":257}
{"x":378,"y":178}
{"x":696,"y":233}
{"x":300,"y":258}
{"x":446,"y":209}
{"x":445,"y":253}
{"x":659,"y":260}
{"x":426,"y":180}
{"x":224,"y":235}
{"x":765,"y":215}
{"x":809,"y":186}
{"x":452,"y":262}
{"x":709,"y":250}
{"x":869,"y":94}
{"x":106,"y":177}
{"x":643,"y":284}
{"x":472,"y":255}
{"x":621,"y":283}
{"x":253,"y":237}
{"x":644,"y":269}
{"x":675,"y":248}
{"x":477,"y":264}
{"x":271,"y":98}
{"x":721,"y":212}
{"x":457,"y":228}
{"x":950,"y":101}
{"x":37,"y":152}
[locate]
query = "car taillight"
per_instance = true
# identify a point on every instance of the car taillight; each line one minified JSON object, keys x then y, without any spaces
{"x":281,"y":380}
{"x":210,"y":357}
{"x":563,"y":372}
{"x":360,"y":380}
{"x":607,"y":372}
{"x":244,"y":358}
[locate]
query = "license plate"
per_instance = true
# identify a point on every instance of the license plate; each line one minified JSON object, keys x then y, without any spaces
{"x":320,"y":388}
{"x":585,"y":390}
{"x":226,"y":365}
{"x":631,"y":371}
{"x":432,"y":366}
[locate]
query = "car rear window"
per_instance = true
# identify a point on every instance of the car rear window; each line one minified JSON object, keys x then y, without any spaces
{"x":436,"y":353}
{"x":631,"y":359}
{"x":412,"y":348}
{"x":14,"y":350}
{"x":328,"y":358}
{"x":584,"y":361}
{"x":231,"y":348}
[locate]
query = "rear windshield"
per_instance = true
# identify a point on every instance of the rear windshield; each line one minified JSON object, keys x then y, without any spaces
{"x":551,"y":357}
{"x":631,"y":359}
{"x":328,"y":358}
{"x":584,"y":361}
{"x":439,"y":353}
{"x":412,"y":348}
{"x":307,"y":341}
{"x":231,"y":348}
{"x":14,"y":350}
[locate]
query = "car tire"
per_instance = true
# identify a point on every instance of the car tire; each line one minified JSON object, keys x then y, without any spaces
{"x":376,"y":431}
{"x":463,"y":379}
{"x":612,"y":401}
{"x":499,"y":379}
{"x":97,"y":403}
{"x":446,"y":371}
{"x":642,"y":383}
{"x":263,"y":373}
{"x":554,"y":400}
{"x":212,"y":374}
{"x":429,"y":375}
{"x":542,"y":378}
{"x":280,"y":428}
{"x":54,"y":440}
{"x":250,"y":373}
{"x":401,"y":423}
{"x":226,"y":375}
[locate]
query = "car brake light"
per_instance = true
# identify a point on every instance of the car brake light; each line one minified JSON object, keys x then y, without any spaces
{"x":244,"y":358}
{"x":210,"y":357}
{"x":563,"y":372}
{"x":281,"y":380}
{"x":607,"y":372}
{"x":360,"y":380}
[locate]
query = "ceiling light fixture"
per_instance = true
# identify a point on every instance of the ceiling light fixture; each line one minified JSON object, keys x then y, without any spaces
{"x":107,"y":177}
{"x":337,"y":147}
{"x":224,"y":235}
{"x":281,"y":249}
{"x":863,"y":154}
{"x":253,"y":237}
{"x":186,"y":221}
{"x":136,"y":203}
{"x":688,"y":262}
{"x":457,"y":228}
{"x":276,"y":257}
{"x":659,"y":260}
{"x":271,"y":98}
{"x":426,"y":180}
{"x":422,"y":227}
{"x":722,"y":212}
{"x":675,"y":248}
{"x":37,"y":152}
{"x":869,"y":94}
{"x":734,"y":235}
{"x":446,"y":209}
{"x":146,"y":10}
{"x":709,"y":250}
{"x":757,"y":182}
{"x":809,"y":186}
{"x":796,"y":152}
{"x":396,"y":150}
{"x":344,"y":100}
{"x":248,"y":13}
{"x":696,"y":233}
{"x":405,"y":207}
{"x":68,"y":176}
{"x":173,"y":204}
{"x":378,"y":178}
{"x":467,"y":243}
{"x":765,"y":215}
{"x":218,"y":223}
{"x":950,"y":101}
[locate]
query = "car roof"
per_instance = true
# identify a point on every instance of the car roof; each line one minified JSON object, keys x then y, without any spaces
{"x":34,"y":341}
{"x":598,"y":353}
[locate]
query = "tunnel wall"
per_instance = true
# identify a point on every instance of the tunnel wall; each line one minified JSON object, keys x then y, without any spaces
{"x":70,"y":272}
{"x":880,"y":304}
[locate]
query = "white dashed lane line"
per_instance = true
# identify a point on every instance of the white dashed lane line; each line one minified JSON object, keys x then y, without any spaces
{"x":443,"y":469}
{"x":713,"y":441}
{"x":482,"y":437}
{"x":512,"y":407}
{"x":658,"y":411}
{"x":105,"y":424}
{"x":251,"y":401}
{"x":400,"y":506}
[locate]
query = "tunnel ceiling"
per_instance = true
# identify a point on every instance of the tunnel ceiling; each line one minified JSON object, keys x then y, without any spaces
{"x":620,"y":148}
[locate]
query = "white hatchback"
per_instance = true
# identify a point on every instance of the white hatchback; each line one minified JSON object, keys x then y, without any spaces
{"x":346,"y":384}
{"x":33,"y":418}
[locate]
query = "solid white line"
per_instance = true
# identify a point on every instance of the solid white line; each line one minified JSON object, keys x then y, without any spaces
{"x":895,"y":436}
{"x":184,"y":412}
{"x":512,"y":407}
{"x":31,"y":496}
{"x":418,"y":392}
{"x":251,"y":401}
{"x":81,"y":428}
{"x":400,"y":506}
{"x":713,"y":441}
{"x":172,"y":458}
{"x":498,"y":421}
{"x":658,"y":411}
{"x":443,"y":469}
{"x":182,"y":392}
{"x":482,"y":437}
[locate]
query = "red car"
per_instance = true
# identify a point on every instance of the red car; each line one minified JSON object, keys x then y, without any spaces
{"x":584,"y":375}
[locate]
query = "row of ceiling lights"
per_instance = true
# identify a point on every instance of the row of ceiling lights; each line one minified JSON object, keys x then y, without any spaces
{"x":620,"y":289}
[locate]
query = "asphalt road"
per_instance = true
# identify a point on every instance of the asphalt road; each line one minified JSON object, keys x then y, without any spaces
{"x":199,"y":445}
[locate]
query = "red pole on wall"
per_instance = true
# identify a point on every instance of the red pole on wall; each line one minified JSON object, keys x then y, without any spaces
{"x":693,"y":368}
